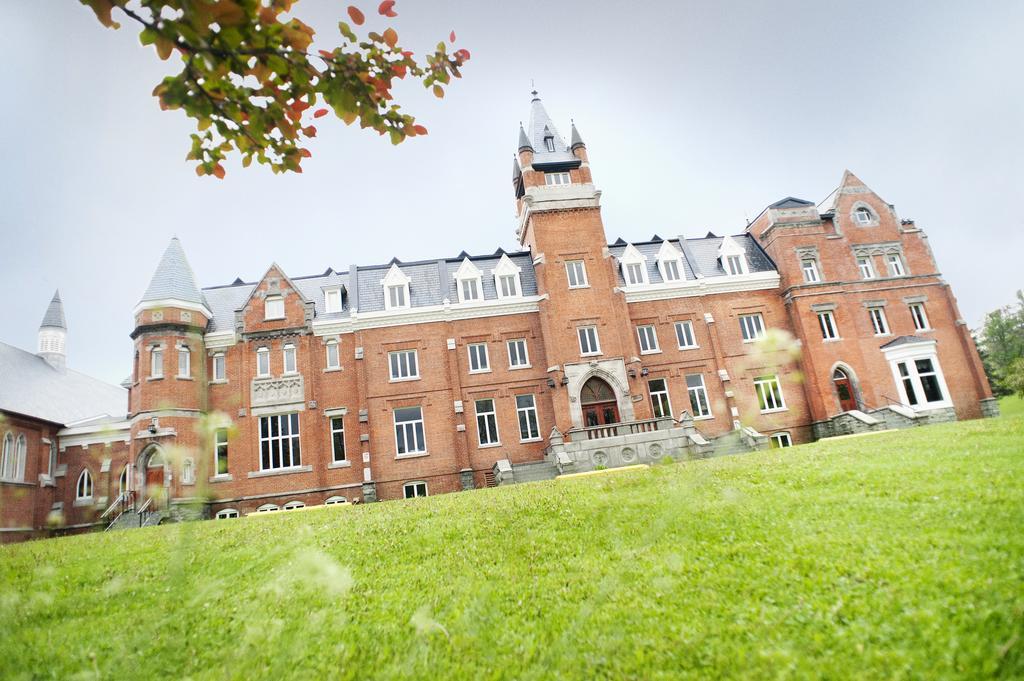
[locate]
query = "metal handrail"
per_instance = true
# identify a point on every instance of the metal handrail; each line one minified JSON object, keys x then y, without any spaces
{"x":118,"y":500}
{"x":145,"y":506}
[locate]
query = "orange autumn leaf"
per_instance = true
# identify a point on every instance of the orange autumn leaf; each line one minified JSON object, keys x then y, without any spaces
{"x":420,"y":130}
{"x":387,"y":8}
{"x":391,"y":37}
{"x":319,"y":113}
{"x":356,"y":16}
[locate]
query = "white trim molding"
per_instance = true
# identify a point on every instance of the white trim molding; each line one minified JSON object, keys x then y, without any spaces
{"x":755,"y":281}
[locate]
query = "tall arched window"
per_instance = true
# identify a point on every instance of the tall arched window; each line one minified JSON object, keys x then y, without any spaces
{"x":7,"y":460}
{"x":20,"y":455}
{"x":122,"y":483}
{"x":83,"y":490}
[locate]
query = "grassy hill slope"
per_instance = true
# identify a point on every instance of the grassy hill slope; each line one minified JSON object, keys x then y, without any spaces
{"x":893,"y":555}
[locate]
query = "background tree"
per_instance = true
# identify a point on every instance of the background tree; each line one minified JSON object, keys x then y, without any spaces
{"x":1001,"y":343}
{"x":252,"y":87}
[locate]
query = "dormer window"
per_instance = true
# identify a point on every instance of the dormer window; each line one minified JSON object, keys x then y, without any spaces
{"x":669,"y":263}
{"x":396,"y":289}
{"x":549,"y":143}
{"x":734,"y":264}
{"x":552,"y":179}
{"x":273,"y":308}
{"x":733,"y":257}
{"x":863,"y":216}
{"x":506,"y":278}
{"x":469,"y":282}
{"x":634,"y":266}
{"x":332,"y":300}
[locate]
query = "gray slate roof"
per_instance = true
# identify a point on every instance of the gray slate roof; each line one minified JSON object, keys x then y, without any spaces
{"x":701,"y":256}
{"x":32,"y":387}
{"x":542,"y":126}
{"x":174,"y":278}
{"x":791,"y":202}
{"x":54,"y":316}
{"x":431,"y":281}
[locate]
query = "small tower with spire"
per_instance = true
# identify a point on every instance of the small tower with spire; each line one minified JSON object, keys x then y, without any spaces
{"x":53,"y":333}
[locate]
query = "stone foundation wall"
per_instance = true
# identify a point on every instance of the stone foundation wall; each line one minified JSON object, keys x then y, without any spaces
{"x":989,"y":408}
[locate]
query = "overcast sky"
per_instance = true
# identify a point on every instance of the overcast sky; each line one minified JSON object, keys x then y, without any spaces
{"x":695,"y":115}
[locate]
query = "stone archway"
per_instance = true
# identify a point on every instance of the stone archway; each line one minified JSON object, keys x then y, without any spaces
{"x":152,"y":475}
{"x":598,"y":402}
{"x":612,"y":372}
{"x":845,"y":387}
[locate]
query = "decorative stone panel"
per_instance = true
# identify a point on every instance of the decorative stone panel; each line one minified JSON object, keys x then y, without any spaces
{"x":271,"y":391}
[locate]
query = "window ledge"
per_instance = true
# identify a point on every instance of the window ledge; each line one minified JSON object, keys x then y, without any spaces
{"x":225,"y":477}
{"x":774,"y":411}
{"x":650,"y":352}
{"x":289,"y":373}
{"x":689,"y":347}
{"x":520,"y":366}
{"x":882,"y":335}
{"x":532,"y":439}
{"x":184,"y":378}
{"x":331,"y":370}
{"x":416,"y":455}
{"x":709,"y":417}
{"x":87,"y":501}
{"x":280,"y":471}
{"x":154,"y":378}
{"x":479,"y":371}
{"x":491,"y":445}
{"x":273,"y":319}
{"x":219,"y":381}
{"x":591,"y":354}
{"x":403,"y":380}
{"x":574,"y":288}
{"x":831,"y":340}
{"x":340,"y":464}
{"x":23,"y":483}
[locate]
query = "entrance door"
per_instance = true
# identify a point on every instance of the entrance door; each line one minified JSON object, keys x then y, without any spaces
{"x":600,"y":408}
{"x":155,"y":480}
{"x":844,"y":390}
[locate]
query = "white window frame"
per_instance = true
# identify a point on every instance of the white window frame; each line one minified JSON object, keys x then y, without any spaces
{"x":863,"y":215}
{"x":751,"y":331}
{"x":486,"y":423}
{"x":226,"y":514}
{"x":781,"y":440}
{"x":332,"y":359}
{"x":292,"y":440}
{"x":292,"y":505}
{"x":275,"y":312}
{"x":336,"y":500}
{"x":895,"y":265}
{"x":590,"y":342}
{"x":184,"y":362}
{"x":633,"y":264}
{"x":532,"y":418}
{"x":866,"y":266}
{"x":415,"y":486}
{"x":680,"y":337}
{"x":828,"y":327}
{"x":670,"y":262}
{"x":909,"y":355}
{"x":520,"y":359}
{"x":734,"y":264}
{"x":762,"y":390}
{"x":336,"y":425}
{"x":408,"y":428}
{"x":733,"y":257}
{"x":188,"y":471}
{"x":879,"y":324}
{"x":557,"y":179}
{"x":401,"y":368}
{"x":220,"y":367}
{"x":221,"y":451}
{"x":289,"y":354}
{"x":698,"y":395}
{"x":660,"y":399}
{"x":478,"y":354}
{"x":15,"y":453}
{"x":507,"y":286}
{"x":919,"y":317}
{"x":262,"y":357}
{"x":268,"y":508}
{"x":332,"y":300}
{"x":156,"y":362}
{"x":576,"y":270}
{"x":809,"y":266}
{"x":647,"y":335}
{"x":469,"y":290}
{"x":85,"y":483}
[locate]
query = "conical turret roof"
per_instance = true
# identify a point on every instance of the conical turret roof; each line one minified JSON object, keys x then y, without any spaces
{"x":174,"y":278}
{"x":541,"y":128}
{"x":54,"y":316}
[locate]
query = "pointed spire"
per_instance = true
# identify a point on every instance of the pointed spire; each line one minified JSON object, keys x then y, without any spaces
{"x":575,"y":139}
{"x":54,"y":317}
{"x":517,"y":172}
{"x":174,"y":278}
{"x":524,"y":141}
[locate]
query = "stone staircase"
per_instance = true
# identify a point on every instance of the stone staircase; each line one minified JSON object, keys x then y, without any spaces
{"x":130,"y":520}
{"x":534,"y":471}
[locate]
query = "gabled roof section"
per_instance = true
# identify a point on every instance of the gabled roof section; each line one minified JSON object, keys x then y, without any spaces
{"x":174,"y":279}
{"x":54,"y":317}
{"x":632,"y":254}
{"x":668,"y":251}
{"x":467,"y":270}
{"x":32,"y":387}
{"x":395,"y":276}
{"x":730,"y":246}
{"x":791,"y":202}
{"x":850,"y":184}
{"x":287,"y":279}
{"x":506,"y":266}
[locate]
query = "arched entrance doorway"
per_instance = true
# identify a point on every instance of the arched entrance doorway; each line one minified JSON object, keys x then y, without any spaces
{"x":600,"y":408}
{"x":153,"y":468}
{"x":844,"y":389}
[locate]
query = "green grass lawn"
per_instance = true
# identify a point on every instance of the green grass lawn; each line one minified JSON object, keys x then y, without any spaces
{"x":898,"y":555}
{"x":1011,"y":406}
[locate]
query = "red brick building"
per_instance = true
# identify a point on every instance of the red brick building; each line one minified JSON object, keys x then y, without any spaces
{"x":412,"y":378}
